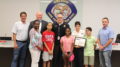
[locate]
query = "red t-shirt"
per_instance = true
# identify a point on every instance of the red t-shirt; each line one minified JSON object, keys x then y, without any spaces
{"x":48,"y":38}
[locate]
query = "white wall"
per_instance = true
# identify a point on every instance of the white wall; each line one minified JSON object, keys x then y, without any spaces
{"x":95,"y":10}
{"x":9,"y":13}
{"x":77,"y":3}
{"x":90,"y":13}
{"x":10,"y":10}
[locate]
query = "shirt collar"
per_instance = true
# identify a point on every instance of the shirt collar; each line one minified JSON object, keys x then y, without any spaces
{"x":60,"y":24}
{"x":88,"y":36}
{"x":78,"y":31}
{"x":105,"y":28}
{"x":22,"y":22}
{"x":40,"y":20}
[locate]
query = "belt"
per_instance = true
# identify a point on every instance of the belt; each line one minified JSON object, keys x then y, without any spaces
{"x":21,"y":41}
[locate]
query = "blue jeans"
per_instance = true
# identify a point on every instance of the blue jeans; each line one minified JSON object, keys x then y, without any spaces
{"x":105,"y":58}
{"x":19,"y":55}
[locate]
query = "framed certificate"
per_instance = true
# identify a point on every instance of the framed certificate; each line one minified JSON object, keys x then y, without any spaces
{"x":79,"y":41}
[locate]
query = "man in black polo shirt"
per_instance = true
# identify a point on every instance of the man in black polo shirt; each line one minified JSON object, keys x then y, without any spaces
{"x":59,"y":29}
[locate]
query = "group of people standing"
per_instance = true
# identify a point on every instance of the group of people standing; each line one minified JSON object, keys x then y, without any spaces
{"x":53,"y":43}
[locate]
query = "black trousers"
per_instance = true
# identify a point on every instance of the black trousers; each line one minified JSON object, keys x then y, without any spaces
{"x":79,"y":55}
{"x":57,"y":56}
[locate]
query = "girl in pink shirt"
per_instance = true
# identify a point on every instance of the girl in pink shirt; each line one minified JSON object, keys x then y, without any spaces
{"x":67,"y":43}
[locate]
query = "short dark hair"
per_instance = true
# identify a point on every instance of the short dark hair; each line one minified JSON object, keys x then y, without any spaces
{"x":89,"y":28}
{"x":105,"y":18}
{"x":35,"y":21}
{"x":77,"y":23}
{"x":23,"y":13}
{"x":69,"y":29}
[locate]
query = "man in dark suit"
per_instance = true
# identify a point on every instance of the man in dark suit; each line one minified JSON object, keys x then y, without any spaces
{"x":42,"y":28}
{"x":43,"y":23}
{"x":59,"y":29}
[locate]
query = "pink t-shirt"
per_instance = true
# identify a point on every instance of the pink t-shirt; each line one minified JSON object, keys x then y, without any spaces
{"x":67,"y":43}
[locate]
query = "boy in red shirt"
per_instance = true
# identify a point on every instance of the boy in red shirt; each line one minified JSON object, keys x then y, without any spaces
{"x":48,"y":40}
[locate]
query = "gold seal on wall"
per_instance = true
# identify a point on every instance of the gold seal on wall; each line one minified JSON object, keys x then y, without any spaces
{"x":60,"y":1}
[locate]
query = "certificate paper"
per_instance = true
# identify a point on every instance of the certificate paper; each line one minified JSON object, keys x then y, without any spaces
{"x":79,"y":41}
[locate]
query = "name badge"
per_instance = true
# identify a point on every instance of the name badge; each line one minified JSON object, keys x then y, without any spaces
{"x":58,"y":38}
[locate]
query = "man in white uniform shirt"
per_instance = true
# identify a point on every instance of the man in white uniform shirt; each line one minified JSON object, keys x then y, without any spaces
{"x":20,"y":35}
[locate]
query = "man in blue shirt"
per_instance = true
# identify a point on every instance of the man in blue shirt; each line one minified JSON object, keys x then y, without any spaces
{"x":105,"y":38}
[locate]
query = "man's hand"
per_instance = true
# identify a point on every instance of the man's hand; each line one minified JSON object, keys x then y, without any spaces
{"x":101,"y":47}
{"x":14,"y":39}
{"x":15,"y":46}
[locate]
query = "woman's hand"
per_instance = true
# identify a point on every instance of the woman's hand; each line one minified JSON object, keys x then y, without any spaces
{"x":76,"y":46}
{"x":39,"y":48}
